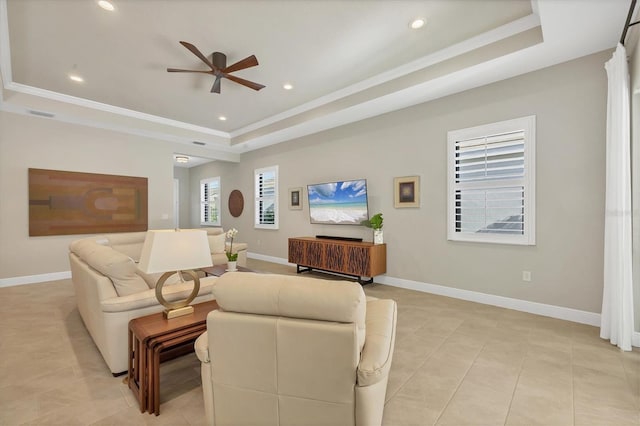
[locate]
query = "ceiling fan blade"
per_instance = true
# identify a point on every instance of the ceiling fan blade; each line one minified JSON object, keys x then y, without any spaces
{"x":216,"y":85}
{"x":248,"y":62}
{"x":199,"y":54}
{"x":247,"y":83}
{"x":179,"y":70}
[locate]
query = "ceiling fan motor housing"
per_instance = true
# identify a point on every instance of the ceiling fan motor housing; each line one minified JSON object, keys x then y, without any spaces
{"x":219,"y":59}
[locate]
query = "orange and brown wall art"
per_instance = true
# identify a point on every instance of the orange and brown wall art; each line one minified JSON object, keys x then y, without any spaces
{"x":63,"y":203}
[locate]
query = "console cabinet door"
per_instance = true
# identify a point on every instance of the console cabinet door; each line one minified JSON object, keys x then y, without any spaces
{"x":335,"y":255}
{"x":358,"y":260}
{"x":296,"y":251}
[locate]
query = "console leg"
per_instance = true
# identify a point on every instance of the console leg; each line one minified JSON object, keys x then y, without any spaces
{"x":300,"y":270}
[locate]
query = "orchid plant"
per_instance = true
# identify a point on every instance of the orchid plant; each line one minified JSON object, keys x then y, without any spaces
{"x":231,"y":257}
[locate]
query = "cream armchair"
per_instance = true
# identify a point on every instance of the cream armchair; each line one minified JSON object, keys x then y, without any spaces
{"x":296,"y":351}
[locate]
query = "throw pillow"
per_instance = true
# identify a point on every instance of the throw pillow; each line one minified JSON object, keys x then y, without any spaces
{"x":216,"y":243}
{"x":115,"y":265}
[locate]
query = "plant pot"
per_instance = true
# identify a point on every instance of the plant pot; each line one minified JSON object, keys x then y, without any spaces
{"x":378,"y":237}
{"x":232,"y":266}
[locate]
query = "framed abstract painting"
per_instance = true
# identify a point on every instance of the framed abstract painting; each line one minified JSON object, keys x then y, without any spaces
{"x":64,"y":203}
{"x":406,"y":191}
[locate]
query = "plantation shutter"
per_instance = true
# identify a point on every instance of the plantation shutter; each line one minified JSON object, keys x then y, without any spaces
{"x":489,"y":184}
{"x":209,"y":201}
{"x":266,"y":197}
{"x":492,"y":185}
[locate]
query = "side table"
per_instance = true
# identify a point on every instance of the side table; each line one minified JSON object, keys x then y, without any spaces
{"x":154,"y":339}
{"x":219,"y":270}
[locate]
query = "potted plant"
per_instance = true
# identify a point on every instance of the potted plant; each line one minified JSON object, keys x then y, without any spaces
{"x":232,"y":257}
{"x":375,"y":223}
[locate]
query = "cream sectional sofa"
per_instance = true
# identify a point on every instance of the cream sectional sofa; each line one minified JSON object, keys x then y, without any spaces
{"x":111,"y":290}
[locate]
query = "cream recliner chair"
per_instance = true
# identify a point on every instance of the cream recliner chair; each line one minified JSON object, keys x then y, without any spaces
{"x":288,"y":350}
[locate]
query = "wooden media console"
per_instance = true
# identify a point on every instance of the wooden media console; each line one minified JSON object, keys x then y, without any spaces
{"x":352,"y":258}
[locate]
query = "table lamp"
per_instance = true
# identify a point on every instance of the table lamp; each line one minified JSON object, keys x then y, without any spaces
{"x":175,"y":251}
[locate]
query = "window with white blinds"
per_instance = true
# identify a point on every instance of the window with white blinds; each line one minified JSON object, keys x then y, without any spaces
{"x":492,"y":183}
{"x":266,"y":196}
{"x":210,"y":201}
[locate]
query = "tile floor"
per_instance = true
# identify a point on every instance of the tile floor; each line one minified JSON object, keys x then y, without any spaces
{"x":455,"y":363}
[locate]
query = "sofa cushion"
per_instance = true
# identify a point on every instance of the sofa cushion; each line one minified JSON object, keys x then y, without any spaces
{"x":292,"y":296}
{"x":152,"y":279}
{"x":216,"y":243}
{"x":129,"y":243}
{"x":214,"y":231}
{"x":119,"y":267}
{"x":148,"y":298}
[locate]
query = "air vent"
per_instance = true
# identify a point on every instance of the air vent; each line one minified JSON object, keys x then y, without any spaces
{"x":199,"y":143}
{"x":41,"y":113}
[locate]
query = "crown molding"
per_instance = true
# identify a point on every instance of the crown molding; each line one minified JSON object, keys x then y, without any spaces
{"x":73,"y":100}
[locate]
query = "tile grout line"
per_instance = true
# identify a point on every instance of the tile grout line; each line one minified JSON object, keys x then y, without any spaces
{"x":627,"y":378}
{"x":515,"y":387}
{"x":573,"y":385}
{"x":461,"y":380}
{"x":418,"y":368}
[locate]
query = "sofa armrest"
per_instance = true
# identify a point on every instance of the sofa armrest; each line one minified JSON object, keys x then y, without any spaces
{"x":202,"y":348}
{"x":237,"y":247}
{"x":375,"y":361}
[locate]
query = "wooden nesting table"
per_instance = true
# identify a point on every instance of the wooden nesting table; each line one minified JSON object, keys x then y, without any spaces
{"x":154,"y":339}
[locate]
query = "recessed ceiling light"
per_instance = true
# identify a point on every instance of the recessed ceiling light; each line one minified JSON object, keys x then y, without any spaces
{"x":417,"y":23}
{"x":287,"y":86}
{"x":182,"y":159}
{"x":76,"y":78}
{"x":222,"y":118}
{"x":106,"y":5}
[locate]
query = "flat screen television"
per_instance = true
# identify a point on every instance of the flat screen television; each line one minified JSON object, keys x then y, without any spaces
{"x":338,"y":203}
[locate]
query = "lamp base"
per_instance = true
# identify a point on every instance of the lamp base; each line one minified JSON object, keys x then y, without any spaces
{"x":178,"y":312}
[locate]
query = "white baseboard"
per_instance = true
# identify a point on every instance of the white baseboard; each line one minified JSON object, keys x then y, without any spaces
{"x":271,"y":259}
{"x":569,"y":314}
{"x":34,"y":279}
{"x":635,"y":339}
{"x":552,"y":311}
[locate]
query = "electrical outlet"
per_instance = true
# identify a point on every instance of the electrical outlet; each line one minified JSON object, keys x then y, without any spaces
{"x":526,"y":276}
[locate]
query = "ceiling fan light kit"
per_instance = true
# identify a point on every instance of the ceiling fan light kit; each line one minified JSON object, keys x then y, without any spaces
{"x":219,"y":69}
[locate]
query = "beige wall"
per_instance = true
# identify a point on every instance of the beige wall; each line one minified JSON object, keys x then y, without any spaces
{"x":569,"y":101}
{"x":33,"y":142}
{"x":184,"y":202}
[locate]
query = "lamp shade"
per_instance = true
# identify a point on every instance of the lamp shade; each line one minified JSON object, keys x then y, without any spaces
{"x":175,"y":250}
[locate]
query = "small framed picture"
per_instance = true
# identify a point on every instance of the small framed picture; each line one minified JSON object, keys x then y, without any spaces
{"x":406,"y":191}
{"x":295,"y":198}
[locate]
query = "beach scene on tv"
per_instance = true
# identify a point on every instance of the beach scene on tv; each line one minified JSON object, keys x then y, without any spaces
{"x":338,"y":203}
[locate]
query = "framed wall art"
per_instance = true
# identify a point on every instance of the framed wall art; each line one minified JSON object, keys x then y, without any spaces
{"x":406,"y":191}
{"x":295,"y":198}
{"x":65,"y":203}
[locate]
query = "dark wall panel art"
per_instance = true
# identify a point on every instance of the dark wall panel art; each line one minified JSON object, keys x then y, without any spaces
{"x":64,"y":203}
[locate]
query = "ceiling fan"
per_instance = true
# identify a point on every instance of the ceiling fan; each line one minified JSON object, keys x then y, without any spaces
{"x":219,"y":68}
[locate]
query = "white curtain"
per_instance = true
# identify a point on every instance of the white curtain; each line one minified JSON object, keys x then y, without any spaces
{"x":616,"y":322}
